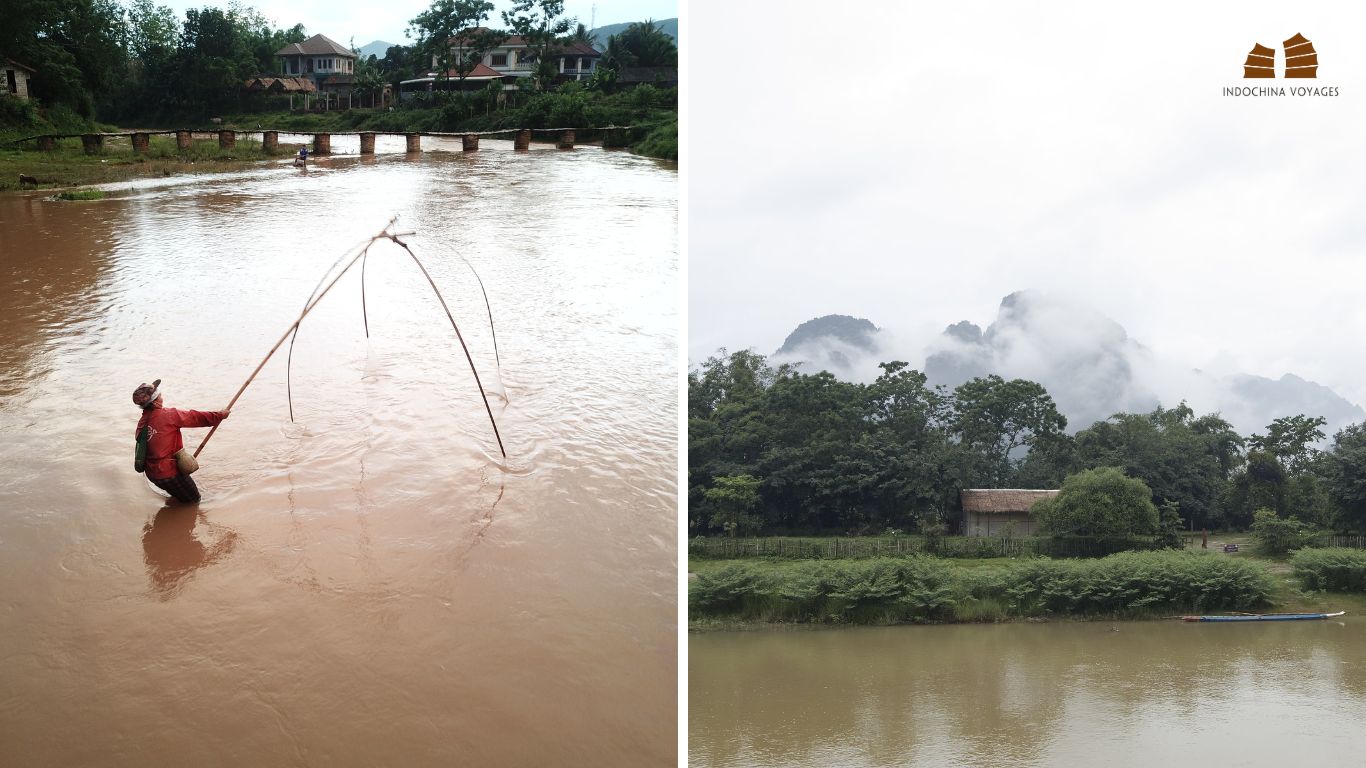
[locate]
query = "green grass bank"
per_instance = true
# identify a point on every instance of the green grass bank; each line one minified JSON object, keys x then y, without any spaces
{"x":745,"y":593}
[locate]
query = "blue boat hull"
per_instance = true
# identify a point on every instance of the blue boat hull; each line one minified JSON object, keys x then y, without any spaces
{"x":1267,"y":617}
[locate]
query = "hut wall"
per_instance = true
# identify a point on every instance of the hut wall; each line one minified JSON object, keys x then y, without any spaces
{"x":20,"y":77}
{"x":995,"y":524}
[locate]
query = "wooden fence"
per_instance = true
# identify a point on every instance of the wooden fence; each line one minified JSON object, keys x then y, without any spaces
{"x":1352,"y":540}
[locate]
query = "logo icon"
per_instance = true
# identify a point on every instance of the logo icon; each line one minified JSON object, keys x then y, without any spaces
{"x":1301,"y":60}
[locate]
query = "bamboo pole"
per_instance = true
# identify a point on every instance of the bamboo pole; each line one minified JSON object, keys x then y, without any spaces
{"x":307,"y":308}
{"x":385,"y":233}
{"x":460,"y":337}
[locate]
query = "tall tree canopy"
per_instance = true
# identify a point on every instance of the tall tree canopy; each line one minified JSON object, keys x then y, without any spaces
{"x":642,"y":44}
{"x":541,"y":23}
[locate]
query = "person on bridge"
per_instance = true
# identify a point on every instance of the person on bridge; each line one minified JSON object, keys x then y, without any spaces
{"x":158,"y":441}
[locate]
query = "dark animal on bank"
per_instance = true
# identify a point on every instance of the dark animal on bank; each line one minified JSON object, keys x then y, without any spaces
{"x":25,"y":179}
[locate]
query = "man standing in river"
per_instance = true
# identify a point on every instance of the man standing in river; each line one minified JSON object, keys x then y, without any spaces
{"x":158,"y":440}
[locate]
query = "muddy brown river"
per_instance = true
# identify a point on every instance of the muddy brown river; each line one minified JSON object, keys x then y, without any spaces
{"x":1127,"y":694}
{"x":371,"y":583}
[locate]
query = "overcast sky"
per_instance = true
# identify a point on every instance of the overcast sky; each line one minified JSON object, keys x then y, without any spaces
{"x":367,"y":21}
{"x":918,"y":171}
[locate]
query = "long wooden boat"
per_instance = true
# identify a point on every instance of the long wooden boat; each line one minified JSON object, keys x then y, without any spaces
{"x":1266,"y":617}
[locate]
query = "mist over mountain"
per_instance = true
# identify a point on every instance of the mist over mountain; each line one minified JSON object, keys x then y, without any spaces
{"x":1086,"y":361}
{"x":830,"y":343}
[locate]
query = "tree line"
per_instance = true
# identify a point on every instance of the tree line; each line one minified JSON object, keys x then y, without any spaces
{"x":773,"y":450}
{"x":115,"y":60}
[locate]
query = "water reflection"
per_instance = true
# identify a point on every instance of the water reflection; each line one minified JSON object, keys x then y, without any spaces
{"x":174,"y":552}
{"x":1029,"y":695}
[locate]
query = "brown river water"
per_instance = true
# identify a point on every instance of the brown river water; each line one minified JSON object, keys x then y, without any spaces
{"x":1159,"y":693}
{"x":370,"y":584}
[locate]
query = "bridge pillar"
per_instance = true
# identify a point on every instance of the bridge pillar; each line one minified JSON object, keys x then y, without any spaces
{"x":140,"y":143}
{"x":227,"y":139}
{"x":469,"y":142}
{"x":322,"y":143}
{"x":367,"y":143}
{"x":414,"y":142}
{"x":93,"y":143}
{"x":566,"y":140}
{"x":47,"y":143}
{"x":522,"y":140}
{"x":270,"y":141}
{"x":182,"y":140}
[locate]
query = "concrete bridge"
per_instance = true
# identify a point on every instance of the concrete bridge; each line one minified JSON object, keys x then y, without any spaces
{"x":93,"y":143}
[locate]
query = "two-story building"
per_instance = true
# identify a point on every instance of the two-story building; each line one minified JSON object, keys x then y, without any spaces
{"x":573,"y":60}
{"x":329,"y":64}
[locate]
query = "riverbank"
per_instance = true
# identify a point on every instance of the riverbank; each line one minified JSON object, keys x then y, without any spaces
{"x":67,"y":165}
{"x":748,"y":594}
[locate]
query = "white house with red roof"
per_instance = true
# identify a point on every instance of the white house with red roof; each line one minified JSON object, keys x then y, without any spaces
{"x":507,"y":62}
{"x":574,"y":60}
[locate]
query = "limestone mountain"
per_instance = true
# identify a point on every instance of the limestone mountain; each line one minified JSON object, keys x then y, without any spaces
{"x":1086,"y":361}
{"x":830,"y":342}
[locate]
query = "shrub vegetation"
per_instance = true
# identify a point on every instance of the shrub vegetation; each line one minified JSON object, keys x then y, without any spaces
{"x":1335,"y":569}
{"x":930,"y":589}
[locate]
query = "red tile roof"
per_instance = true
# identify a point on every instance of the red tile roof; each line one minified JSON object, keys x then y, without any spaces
{"x":479,"y":71}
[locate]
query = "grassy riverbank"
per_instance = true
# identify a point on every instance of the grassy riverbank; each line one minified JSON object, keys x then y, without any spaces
{"x":69,"y":166}
{"x":738,"y":594}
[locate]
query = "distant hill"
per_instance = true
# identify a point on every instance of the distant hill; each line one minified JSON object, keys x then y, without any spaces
{"x":600,"y":34}
{"x":833,"y":341}
{"x":1086,"y":361}
{"x":377,"y":48}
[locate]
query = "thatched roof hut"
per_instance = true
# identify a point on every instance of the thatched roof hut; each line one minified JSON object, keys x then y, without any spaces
{"x":990,"y":510}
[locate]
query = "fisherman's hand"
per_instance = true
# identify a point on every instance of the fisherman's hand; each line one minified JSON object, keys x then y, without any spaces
{"x":226,"y":412}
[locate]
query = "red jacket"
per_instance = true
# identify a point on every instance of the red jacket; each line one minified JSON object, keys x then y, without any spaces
{"x":165,"y":438}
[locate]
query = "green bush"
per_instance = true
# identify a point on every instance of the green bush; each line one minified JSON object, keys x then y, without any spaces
{"x":1336,"y":569}
{"x":922,"y":588}
{"x":726,"y":590}
{"x":661,"y":141}
{"x":1278,"y":535}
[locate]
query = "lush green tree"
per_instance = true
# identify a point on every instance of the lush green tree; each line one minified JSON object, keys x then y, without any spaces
{"x":1261,"y":484}
{"x":1169,"y":526}
{"x":1101,"y":502}
{"x":75,"y":46}
{"x":1182,"y":458}
{"x":998,"y":420}
{"x":541,"y":24}
{"x":733,"y":500}
{"x":581,"y":35}
{"x":368,"y":80}
{"x":451,"y":32}
{"x":1291,"y":440}
{"x":400,"y":63}
{"x":1345,"y":468}
{"x":642,"y":44}
{"x":1278,"y":535}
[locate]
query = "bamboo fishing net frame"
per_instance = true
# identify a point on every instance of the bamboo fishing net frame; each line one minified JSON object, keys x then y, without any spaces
{"x":317,"y":296}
